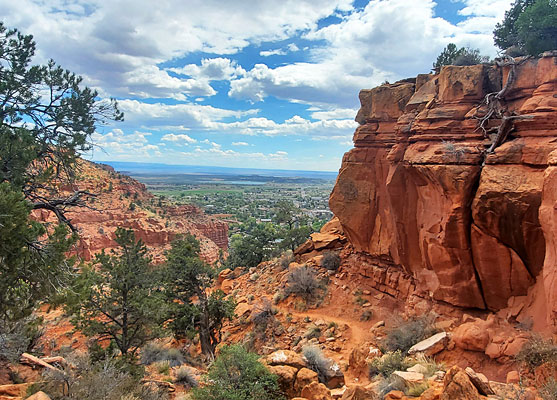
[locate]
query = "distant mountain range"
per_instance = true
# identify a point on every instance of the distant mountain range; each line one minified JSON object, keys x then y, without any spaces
{"x":143,"y":169}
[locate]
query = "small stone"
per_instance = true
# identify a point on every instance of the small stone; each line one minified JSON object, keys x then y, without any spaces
{"x":513,"y":377}
{"x":419,"y":368}
{"x":409,"y":377}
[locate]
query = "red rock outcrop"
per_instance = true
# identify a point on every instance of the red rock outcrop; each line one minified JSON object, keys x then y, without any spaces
{"x":419,"y":193}
{"x":124,"y":202}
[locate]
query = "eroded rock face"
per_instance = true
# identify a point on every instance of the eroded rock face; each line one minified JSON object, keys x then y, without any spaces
{"x":420,"y":194}
{"x":124,"y":202}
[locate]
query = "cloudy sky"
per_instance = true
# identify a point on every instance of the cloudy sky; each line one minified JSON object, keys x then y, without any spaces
{"x":244,"y":83}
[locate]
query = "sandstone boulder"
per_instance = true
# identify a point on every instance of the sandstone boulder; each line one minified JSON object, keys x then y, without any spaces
{"x":286,"y":357}
{"x":431,"y":345}
{"x":457,"y":386}
{"x":316,"y":391}
{"x":286,"y":378}
{"x":409,"y":377}
{"x":334,"y":377}
{"x":305,"y":377}
{"x":14,"y":390}
{"x":472,"y":336}
{"x":357,"y":392}
{"x":480,"y":382}
{"x":39,"y":396}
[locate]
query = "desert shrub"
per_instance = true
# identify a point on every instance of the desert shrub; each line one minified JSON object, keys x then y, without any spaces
{"x":359,"y":300}
{"x":389,"y":363}
{"x":17,"y":337}
{"x":303,"y":282}
{"x":549,"y":390}
{"x":389,"y":384}
{"x":262,"y":317}
{"x":105,"y":380}
{"x":163,"y":367}
{"x":185,"y":377}
{"x":316,"y":361}
{"x":366,"y":315}
{"x":286,"y":259}
{"x":452,"y":151}
{"x":416,"y":390}
{"x":330,"y":261}
{"x":278,"y":297}
{"x":406,"y":334}
{"x":431,"y":366}
{"x":237,"y":374}
{"x":313,"y":333}
{"x":154,"y":352}
{"x":538,"y":351}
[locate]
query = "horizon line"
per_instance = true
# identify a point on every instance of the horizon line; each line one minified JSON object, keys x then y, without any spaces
{"x":210,"y":166}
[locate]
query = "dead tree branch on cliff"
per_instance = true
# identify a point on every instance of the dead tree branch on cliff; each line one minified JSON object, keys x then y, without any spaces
{"x":493,"y":103}
{"x":58,"y":206}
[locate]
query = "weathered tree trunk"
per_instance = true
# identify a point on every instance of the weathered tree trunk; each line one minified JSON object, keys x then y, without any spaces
{"x":207,"y":346}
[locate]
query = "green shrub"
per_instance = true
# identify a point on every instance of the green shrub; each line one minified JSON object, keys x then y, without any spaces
{"x":416,"y":389}
{"x":389,"y":363}
{"x":407,"y":333}
{"x":238,"y":375}
{"x":316,"y":361}
{"x":313,"y":333}
{"x":538,"y":351}
{"x":431,"y":366}
{"x":163,"y":367}
{"x":154,"y":352}
{"x":185,"y":377}
{"x":330,"y":261}
{"x":303,"y":282}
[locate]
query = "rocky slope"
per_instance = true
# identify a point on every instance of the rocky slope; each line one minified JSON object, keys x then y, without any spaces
{"x":121,"y":201}
{"x":437,"y":216}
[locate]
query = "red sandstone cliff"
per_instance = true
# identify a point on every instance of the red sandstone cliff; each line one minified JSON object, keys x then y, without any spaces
{"x":419,"y":193}
{"x":124,"y":202}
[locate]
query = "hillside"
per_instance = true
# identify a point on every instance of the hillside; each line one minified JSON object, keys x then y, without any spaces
{"x":120,"y":201}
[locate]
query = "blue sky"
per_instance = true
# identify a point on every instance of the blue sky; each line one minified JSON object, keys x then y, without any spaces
{"x":259,"y":84}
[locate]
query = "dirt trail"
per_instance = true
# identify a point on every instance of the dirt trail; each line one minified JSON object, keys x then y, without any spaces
{"x":359,"y":331}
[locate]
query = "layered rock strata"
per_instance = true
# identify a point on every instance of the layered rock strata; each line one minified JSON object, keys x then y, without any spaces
{"x":121,"y":201}
{"x":420,"y":193}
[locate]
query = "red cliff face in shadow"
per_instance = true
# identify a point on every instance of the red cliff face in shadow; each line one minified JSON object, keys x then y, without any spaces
{"x":419,"y":192}
{"x":124,"y":202}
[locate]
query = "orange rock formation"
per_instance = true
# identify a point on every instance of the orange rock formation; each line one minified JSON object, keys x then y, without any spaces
{"x":419,"y":194}
{"x":124,"y":202}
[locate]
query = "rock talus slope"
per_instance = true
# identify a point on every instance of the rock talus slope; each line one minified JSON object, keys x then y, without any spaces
{"x":420,"y":193}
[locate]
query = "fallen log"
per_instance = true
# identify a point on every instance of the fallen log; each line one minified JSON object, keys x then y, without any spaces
{"x":30,"y":359}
